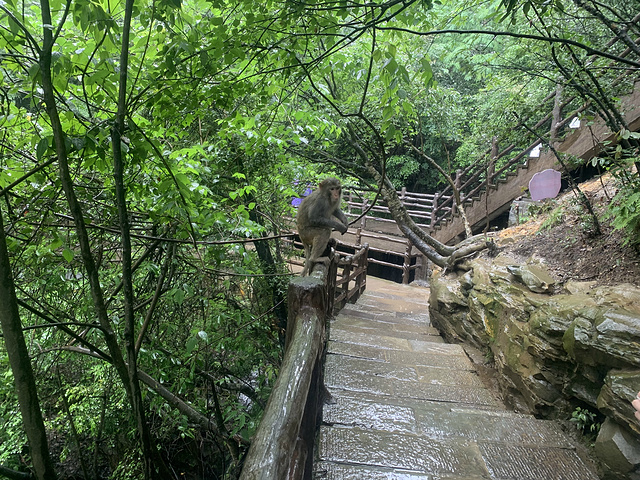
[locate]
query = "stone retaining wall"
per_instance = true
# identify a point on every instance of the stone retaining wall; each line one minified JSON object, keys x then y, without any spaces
{"x":554,"y":348}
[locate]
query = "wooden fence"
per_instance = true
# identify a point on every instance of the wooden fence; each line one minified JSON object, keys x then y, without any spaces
{"x":420,"y":206}
{"x":430,"y":209}
{"x":378,"y":244}
{"x":497,"y":166}
{"x":377,"y":229}
{"x":353,"y":269}
{"x":282,"y":447}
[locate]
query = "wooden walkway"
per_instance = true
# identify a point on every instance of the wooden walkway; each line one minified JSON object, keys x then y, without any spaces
{"x":406,"y":405}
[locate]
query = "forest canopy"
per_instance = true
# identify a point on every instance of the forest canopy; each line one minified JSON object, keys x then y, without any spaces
{"x":149,"y":154}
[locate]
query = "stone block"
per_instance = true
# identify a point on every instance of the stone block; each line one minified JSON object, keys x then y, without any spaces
{"x":618,"y":449}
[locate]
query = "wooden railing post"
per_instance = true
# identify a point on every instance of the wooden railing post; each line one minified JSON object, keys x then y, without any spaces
{"x":406,"y":265}
{"x":363,"y":220}
{"x":331,"y":279}
{"x":281,"y":447}
{"x":422,"y":268}
{"x":434,"y":210}
{"x":361,"y":279}
{"x":458,"y":183}
{"x":346,"y":273}
{"x":556,"y":115}
{"x":491,"y":169}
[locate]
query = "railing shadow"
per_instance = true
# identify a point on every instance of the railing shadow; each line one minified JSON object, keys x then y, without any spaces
{"x":282,"y":447}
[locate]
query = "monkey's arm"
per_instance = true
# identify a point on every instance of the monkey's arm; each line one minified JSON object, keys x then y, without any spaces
{"x":343,"y":218}
{"x":328,"y":223}
{"x":317,"y":211}
{"x":319,"y":216}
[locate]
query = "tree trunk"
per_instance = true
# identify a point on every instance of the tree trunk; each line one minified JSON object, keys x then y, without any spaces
{"x":455,"y":186}
{"x":269,"y":266}
{"x":74,"y":205}
{"x":21,"y":368}
{"x":154,"y":467}
{"x":127,"y":376}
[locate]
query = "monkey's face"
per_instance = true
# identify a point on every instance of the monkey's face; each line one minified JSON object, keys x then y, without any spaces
{"x":335,"y":193}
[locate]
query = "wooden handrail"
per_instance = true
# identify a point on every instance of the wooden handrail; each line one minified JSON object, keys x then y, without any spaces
{"x":282,"y":447}
{"x":276,"y":451}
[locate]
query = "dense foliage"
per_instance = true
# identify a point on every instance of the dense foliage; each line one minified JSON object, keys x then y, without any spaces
{"x":146,"y":145}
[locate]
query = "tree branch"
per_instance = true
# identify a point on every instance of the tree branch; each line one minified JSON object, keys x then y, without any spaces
{"x":15,"y":475}
{"x":552,"y":40}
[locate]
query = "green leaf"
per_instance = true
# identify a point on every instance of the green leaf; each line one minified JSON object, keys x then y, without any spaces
{"x":43,"y":146}
{"x":191,"y":344}
{"x":34,"y":72}
{"x":178,"y":296}
{"x":408,"y":107}
{"x":387,"y":113}
{"x":57,"y":243}
{"x":67,"y":254}
{"x":391,"y":133}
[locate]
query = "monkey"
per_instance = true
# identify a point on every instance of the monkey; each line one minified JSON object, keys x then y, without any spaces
{"x":317,"y":215}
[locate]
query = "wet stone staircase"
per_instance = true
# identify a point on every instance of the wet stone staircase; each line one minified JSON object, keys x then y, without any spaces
{"x":406,"y":405}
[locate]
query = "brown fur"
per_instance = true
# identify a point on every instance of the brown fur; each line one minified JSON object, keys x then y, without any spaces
{"x":318,"y":214}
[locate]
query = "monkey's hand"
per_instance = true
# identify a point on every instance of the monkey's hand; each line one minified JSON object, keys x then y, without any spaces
{"x":343,"y":229}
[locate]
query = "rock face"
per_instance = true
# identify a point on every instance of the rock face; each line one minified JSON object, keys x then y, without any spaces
{"x":554,"y":348}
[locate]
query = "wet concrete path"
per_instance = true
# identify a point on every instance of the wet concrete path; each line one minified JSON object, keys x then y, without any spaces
{"x":406,"y":405}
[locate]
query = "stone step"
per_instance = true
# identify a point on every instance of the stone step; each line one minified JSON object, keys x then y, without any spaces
{"x":397,"y":330}
{"x":442,"y":357}
{"x":333,"y":471}
{"x":391,"y":305}
{"x":404,"y":405}
{"x":403,"y":374}
{"x":426,"y":383}
{"x":401,"y":292}
{"x":419,"y":455}
{"x":426,"y":344}
{"x":443,"y":421}
{"x":371,"y":313}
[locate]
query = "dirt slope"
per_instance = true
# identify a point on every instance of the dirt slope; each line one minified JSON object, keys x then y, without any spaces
{"x":569,"y":249}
